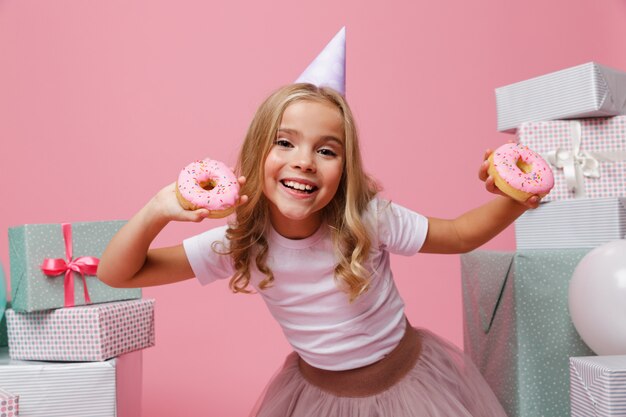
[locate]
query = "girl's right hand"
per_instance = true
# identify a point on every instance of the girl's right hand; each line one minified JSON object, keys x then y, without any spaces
{"x":169,"y":208}
{"x":490,"y":185}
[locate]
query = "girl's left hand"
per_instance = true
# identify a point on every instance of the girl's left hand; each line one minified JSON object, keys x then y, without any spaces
{"x":483,"y":174}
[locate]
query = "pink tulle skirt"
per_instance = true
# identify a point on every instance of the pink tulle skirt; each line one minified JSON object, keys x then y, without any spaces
{"x":443,"y":382}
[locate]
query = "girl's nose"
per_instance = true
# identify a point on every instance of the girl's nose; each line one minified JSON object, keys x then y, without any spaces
{"x":305,"y":162}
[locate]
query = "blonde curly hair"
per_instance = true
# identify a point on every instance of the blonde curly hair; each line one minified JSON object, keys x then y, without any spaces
{"x":343,"y":214}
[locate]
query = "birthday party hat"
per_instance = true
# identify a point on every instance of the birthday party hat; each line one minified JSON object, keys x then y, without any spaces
{"x":329,"y":68}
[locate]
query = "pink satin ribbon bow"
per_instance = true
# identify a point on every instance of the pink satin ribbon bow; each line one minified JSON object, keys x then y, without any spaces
{"x":84,"y":265}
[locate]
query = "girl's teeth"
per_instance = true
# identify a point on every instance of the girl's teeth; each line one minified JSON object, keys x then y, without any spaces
{"x":297,"y":186}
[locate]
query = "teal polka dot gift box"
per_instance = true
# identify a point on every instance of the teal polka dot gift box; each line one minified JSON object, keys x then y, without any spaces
{"x":54,"y":265}
{"x":517,"y":327}
{"x":3,"y":306}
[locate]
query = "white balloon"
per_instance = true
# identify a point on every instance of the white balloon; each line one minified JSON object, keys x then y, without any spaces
{"x":597,"y":298}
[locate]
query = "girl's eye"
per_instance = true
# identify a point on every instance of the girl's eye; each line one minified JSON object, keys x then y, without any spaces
{"x":282,"y":142}
{"x":327,"y":152}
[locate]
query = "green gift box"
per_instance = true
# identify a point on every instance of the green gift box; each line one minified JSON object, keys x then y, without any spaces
{"x":517,"y":327}
{"x":51,"y":263}
{"x":3,"y":307}
{"x":4,"y":333}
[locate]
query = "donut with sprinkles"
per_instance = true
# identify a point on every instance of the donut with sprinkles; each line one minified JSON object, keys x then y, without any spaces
{"x":520,"y":172}
{"x":208,"y":184}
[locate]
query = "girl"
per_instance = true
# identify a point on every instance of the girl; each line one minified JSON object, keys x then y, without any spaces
{"x":313,"y":239}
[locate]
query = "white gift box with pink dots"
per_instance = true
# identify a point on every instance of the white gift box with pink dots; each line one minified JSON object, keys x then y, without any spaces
{"x":587,"y":156}
{"x":95,"y":332}
{"x":9,"y":404}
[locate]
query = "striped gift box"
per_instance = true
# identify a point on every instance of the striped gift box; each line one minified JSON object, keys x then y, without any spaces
{"x":82,"y":334}
{"x":76,"y":389}
{"x":569,"y":224}
{"x":598,"y":386}
{"x":9,"y":404}
{"x":588,"y":90}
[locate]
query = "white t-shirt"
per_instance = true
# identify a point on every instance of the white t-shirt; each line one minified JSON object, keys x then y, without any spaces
{"x":323,"y":327}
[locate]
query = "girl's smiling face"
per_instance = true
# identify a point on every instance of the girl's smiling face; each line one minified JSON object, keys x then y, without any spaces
{"x":304,"y":167}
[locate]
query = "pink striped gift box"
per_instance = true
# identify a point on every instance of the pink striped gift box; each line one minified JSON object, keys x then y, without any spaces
{"x":587,"y":156}
{"x":598,"y":386}
{"x":89,"y":333}
{"x":9,"y":404}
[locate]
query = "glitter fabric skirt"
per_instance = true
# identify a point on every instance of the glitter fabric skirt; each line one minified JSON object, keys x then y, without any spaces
{"x":425,"y":377}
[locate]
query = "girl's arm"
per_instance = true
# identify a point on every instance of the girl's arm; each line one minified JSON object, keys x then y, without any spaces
{"x":128,"y":261}
{"x":476,"y":227}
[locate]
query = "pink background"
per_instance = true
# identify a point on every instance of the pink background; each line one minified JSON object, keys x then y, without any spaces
{"x":102,"y":103}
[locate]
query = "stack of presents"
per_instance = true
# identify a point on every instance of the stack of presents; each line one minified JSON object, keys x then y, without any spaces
{"x":518,"y":329}
{"x":70,"y":346}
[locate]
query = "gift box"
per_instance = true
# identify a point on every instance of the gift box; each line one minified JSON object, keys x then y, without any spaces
{"x":587,"y":156}
{"x":3,"y":292}
{"x":9,"y":404}
{"x":76,"y":389}
{"x":517,"y":327}
{"x":54,"y":265}
{"x":598,"y":386}
{"x":4,"y":334}
{"x":3,"y":307}
{"x":578,"y":223}
{"x":95,"y":332}
{"x":588,"y":90}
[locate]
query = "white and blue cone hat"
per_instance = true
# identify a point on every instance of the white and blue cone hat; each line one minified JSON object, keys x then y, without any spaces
{"x":329,"y":68}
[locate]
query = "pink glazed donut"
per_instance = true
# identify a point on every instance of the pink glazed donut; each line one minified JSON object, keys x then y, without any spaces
{"x":208,"y":184}
{"x":520,"y":172}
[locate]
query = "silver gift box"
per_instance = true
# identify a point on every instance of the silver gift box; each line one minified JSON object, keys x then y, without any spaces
{"x":75,"y":389}
{"x":598,"y":386}
{"x":588,"y":90}
{"x":570,"y":224}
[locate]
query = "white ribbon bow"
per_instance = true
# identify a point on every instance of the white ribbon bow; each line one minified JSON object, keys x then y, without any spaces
{"x":578,"y":164}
